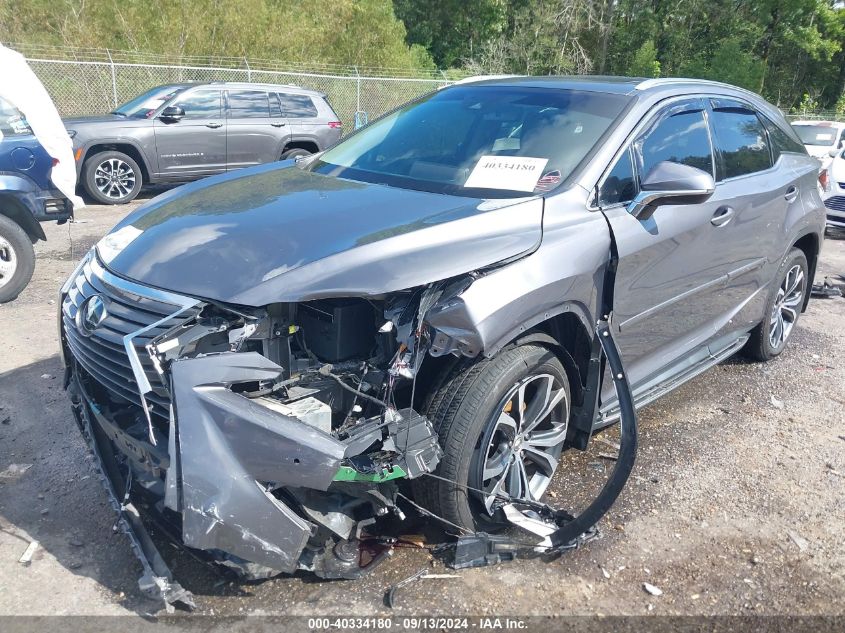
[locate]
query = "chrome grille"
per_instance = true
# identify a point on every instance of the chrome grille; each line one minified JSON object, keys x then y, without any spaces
{"x":129,"y":308}
{"x":837,"y":203}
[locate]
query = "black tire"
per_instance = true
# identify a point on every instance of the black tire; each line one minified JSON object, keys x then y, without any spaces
{"x":15,"y":246}
{"x":295,"y":152}
{"x":760,"y":346}
{"x":126,"y":185}
{"x":462,"y":409}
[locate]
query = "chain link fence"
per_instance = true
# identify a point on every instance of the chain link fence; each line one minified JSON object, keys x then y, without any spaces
{"x":92,"y":81}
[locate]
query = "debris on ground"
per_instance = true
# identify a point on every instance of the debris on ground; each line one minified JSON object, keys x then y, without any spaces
{"x":802,"y":543}
{"x":827,"y":289}
{"x":14,"y":471}
{"x":777,"y":404}
{"x":654,"y":591}
{"x":26,"y":557}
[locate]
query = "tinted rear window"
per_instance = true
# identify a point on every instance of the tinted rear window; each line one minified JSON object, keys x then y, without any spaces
{"x":297,"y":106}
{"x":780,"y":140}
{"x":742,"y":143}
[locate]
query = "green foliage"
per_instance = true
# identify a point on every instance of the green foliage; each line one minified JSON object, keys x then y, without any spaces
{"x":353,"y":32}
{"x":644,"y":62}
{"x":780,"y":48}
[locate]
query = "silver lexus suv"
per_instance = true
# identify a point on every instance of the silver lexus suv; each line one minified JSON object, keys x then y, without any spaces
{"x":181,"y":132}
{"x":421,"y":317}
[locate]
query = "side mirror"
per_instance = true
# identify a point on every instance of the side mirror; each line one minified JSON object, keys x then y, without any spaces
{"x":671,"y":183}
{"x":834,"y":152}
{"x":172,"y":113}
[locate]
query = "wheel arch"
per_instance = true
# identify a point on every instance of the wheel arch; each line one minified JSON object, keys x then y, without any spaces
{"x":130,"y":149}
{"x":16,"y":211}
{"x":301,"y":143}
{"x":810,"y":245}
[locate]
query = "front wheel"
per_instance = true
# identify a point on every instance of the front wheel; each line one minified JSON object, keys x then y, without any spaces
{"x":502,"y":424}
{"x":17,"y":259}
{"x":112,"y":177}
{"x":783,"y":308}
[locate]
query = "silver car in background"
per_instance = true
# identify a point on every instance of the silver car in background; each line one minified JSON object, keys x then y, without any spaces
{"x":181,"y":132}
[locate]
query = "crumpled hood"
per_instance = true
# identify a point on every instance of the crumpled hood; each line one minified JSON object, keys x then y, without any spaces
{"x":278,"y":233}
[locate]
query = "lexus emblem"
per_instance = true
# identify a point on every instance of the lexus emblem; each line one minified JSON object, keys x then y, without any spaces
{"x":91,"y":314}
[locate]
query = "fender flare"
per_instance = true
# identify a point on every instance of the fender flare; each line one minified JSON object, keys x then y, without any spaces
{"x":120,"y":140}
{"x":20,"y":212}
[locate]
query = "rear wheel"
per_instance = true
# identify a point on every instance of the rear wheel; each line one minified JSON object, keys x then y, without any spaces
{"x":112,"y":177}
{"x":17,"y":259}
{"x":502,"y":423}
{"x":784,"y":307}
{"x":294,"y":153}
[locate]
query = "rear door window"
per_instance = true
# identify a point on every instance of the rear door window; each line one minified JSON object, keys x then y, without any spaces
{"x":297,"y":106}
{"x":741,"y":143}
{"x":248,"y":104}
{"x":12,"y":121}
{"x":679,"y":138}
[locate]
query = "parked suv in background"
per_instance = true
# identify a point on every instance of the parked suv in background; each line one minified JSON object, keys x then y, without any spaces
{"x":27,"y":197}
{"x":821,"y":138}
{"x":264,"y":354}
{"x":181,"y":132}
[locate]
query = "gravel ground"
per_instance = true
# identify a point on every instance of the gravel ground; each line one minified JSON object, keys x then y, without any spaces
{"x":736,"y":505}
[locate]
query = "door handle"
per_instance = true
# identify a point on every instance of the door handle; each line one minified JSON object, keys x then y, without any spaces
{"x":722,"y":216}
{"x":213,"y":125}
{"x":278,"y":124}
{"x":791,"y":193}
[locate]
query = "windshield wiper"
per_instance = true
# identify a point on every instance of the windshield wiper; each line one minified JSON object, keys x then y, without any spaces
{"x":123,"y":114}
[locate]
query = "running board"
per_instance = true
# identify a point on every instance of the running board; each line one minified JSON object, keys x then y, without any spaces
{"x":653,"y":393}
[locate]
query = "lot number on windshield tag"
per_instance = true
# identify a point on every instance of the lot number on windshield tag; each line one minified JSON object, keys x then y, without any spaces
{"x":514,"y":173}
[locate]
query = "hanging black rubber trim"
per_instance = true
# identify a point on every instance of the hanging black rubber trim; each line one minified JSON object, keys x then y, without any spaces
{"x":627,"y":447}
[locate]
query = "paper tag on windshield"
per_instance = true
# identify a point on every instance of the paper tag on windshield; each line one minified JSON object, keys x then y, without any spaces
{"x":824,"y":137}
{"x":514,"y":173}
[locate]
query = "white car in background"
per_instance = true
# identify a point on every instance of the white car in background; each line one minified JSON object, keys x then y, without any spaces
{"x":821,"y":138}
{"x":834,"y":192}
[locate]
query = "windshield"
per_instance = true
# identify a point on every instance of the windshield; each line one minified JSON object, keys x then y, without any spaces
{"x":478,"y":141}
{"x":143,"y":106}
{"x":816,"y":134}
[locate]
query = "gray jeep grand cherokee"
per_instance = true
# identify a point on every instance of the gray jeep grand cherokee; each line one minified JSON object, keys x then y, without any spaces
{"x":182,"y":132}
{"x":265,"y":357}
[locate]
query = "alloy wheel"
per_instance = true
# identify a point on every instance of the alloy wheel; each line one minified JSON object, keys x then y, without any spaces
{"x":787,"y":306}
{"x":8,"y":262}
{"x":114,"y":178}
{"x":525,"y":441}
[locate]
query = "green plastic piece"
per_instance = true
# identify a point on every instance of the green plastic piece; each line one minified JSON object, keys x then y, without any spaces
{"x":347,"y":473}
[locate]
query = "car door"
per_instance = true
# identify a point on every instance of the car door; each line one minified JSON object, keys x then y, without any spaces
{"x":253,"y":135}
{"x":669,"y":278}
{"x":195,"y":144}
{"x":755,"y":194}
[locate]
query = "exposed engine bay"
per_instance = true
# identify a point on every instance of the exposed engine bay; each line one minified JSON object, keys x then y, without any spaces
{"x":278,"y":439}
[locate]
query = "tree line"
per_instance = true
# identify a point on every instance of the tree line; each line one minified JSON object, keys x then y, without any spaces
{"x":791,"y":51}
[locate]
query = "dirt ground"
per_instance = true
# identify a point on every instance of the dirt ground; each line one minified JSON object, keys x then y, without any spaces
{"x":736,"y":506}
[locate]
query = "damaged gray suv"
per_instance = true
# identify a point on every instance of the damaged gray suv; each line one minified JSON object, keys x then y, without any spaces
{"x":276,"y":360}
